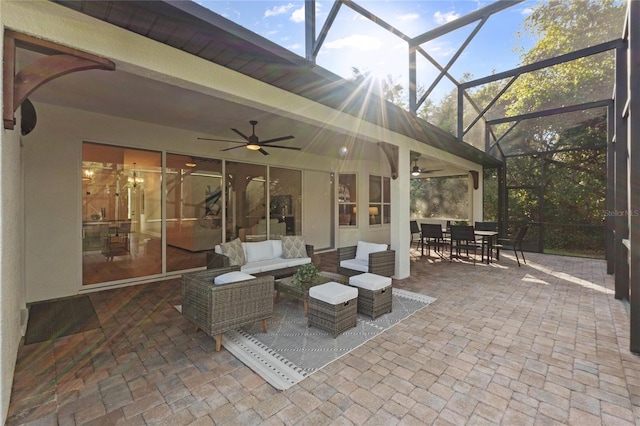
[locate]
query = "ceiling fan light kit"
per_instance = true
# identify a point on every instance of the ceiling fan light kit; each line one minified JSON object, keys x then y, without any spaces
{"x":416,"y":170}
{"x":253,"y":142}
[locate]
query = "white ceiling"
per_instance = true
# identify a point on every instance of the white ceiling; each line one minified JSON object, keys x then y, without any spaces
{"x":122,"y":94}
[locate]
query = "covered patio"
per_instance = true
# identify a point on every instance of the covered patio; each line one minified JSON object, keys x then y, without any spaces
{"x":543,"y":343}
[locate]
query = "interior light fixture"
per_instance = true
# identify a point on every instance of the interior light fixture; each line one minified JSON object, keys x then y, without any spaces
{"x":253,"y":147}
{"x":415,"y":171}
{"x":134,"y":180}
{"x":190,"y":164}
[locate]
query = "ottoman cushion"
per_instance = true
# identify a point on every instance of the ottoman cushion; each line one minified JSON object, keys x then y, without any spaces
{"x":370,"y":281}
{"x":232,"y":277}
{"x":333,"y":293}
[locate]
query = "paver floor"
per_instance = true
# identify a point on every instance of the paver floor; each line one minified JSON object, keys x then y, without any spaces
{"x":542,"y":344}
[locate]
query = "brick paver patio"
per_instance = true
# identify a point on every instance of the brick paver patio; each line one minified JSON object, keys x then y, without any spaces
{"x":544,"y":344}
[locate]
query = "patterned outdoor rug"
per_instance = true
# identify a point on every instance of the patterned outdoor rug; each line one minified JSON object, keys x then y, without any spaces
{"x":291,"y":350}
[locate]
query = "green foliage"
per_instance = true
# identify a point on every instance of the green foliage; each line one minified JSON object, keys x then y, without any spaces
{"x":562,"y":27}
{"x":305,"y":274}
{"x":443,"y":197}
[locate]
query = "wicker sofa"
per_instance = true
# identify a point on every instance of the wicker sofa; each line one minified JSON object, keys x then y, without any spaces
{"x":276,"y":266}
{"x":219,"y":308}
{"x":366,"y":257}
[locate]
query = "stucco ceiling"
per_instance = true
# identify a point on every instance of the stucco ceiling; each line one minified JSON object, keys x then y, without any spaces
{"x":121,"y":94}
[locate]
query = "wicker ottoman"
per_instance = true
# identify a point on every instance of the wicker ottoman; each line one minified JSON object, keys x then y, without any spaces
{"x":333,"y":307}
{"x":374,"y":293}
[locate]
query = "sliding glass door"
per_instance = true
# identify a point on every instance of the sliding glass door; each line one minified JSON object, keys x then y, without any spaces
{"x":194,"y":210}
{"x":207,"y":201}
{"x":121,"y":213}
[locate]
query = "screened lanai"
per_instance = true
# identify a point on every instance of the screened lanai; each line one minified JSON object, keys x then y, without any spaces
{"x":559,"y":121}
{"x":176,"y":71}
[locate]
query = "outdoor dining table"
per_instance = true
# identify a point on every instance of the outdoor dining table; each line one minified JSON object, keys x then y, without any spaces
{"x":487,"y":238}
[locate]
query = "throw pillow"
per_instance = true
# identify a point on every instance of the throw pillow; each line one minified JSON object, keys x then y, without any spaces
{"x":233,"y":250}
{"x":231,"y":277}
{"x":293,"y":247}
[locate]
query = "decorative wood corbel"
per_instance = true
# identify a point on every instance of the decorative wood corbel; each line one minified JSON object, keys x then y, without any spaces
{"x":475,"y":176}
{"x":62,"y":61}
{"x":392,"y":155}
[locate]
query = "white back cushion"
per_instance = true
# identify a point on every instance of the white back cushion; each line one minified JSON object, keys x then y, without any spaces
{"x":262,"y":250}
{"x":363,"y":249}
{"x":276,"y":247}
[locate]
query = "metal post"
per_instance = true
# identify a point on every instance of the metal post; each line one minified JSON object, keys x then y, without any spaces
{"x":609,"y":222}
{"x":310,"y":29}
{"x":620,"y":225}
{"x":633,"y":208}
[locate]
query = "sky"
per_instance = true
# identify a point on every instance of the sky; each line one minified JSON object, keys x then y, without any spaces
{"x":354,"y":41}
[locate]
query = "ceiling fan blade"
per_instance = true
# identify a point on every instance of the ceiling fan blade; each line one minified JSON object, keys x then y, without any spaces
{"x":241,"y":134}
{"x":233,"y":147}
{"x":283,"y":138}
{"x":284,"y":147}
{"x":221,"y":140}
{"x":263,"y":151}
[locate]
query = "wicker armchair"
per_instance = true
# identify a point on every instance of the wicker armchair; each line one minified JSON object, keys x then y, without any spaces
{"x":219,"y":308}
{"x":380,"y":263}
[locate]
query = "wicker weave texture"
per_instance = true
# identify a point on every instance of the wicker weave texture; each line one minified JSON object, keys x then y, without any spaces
{"x":332,"y":318}
{"x":374,"y":302}
{"x":380,"y":263}
{"x":219,"y":308}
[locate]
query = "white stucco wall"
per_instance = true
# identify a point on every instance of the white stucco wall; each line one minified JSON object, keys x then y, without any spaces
{"x":12,"y":296}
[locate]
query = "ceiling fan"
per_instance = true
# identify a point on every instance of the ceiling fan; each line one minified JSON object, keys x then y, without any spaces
{"x":253,"y":143}
{"x":417,"y":171}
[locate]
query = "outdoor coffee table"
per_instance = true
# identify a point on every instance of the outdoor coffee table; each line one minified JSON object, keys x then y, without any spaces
{"x":301,"y":291}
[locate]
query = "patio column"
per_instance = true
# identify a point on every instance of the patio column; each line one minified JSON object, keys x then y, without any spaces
{"x":400,"y":233}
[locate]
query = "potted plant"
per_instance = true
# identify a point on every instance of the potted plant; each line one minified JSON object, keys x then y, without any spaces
{"x":305,"y":274}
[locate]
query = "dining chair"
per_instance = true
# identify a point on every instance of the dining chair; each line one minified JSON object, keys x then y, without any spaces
{"x":432,"y":235}
{"x":514,"y":244}
{"x":415,"y":229}
{"x":463,"y":237}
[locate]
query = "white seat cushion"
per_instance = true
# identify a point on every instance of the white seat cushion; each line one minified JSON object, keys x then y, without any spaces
{"x":370,"y":281}
{"x":232,"y":277}
{"x":298,"y":261}
{"x":356,"y":265}
{"x":333,"y":293}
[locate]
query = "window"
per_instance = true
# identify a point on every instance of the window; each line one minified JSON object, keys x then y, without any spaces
{"x":347,"y":199}
{"x":379,"y":200}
